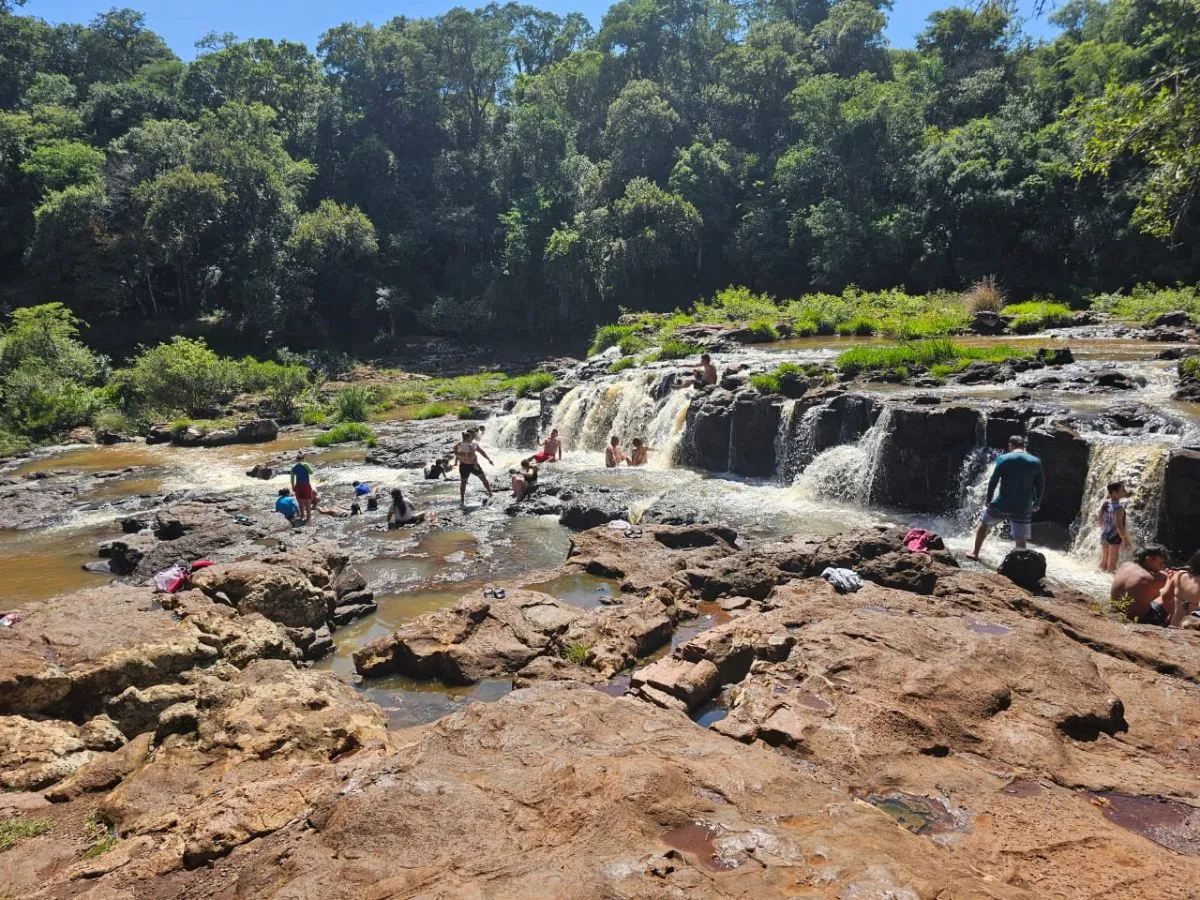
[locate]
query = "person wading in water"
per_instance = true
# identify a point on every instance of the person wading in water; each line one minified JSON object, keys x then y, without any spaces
{"x":1022,"y":483}
{"x":467,"y":452}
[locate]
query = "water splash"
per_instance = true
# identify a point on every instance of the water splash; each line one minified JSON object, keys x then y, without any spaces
{"x":507,"y":427}
{"x":848,"y":472}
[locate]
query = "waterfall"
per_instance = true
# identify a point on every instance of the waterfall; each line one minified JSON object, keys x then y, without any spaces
{"x":1142,"y":468}
{"x":848,"y":472}
{"x":784,"y":445}
{"x":509,"y":428}
{"x":590,"y":413}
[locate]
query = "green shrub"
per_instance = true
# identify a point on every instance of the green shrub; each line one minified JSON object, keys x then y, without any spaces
{"x":314,"y":415}
{"x":577,"y":653}
{"x":13,"y":444}
{"x":804,"y":327}
{"x":676,"y":349}
{"x":112,"y":421}
{"x":1189,"y":368}
{"x":766,"y":383}
{"x":283,"y":384}
{"x":431,"y":411}
{"x":737,"y":304}
{"x":463,"y":412}
{"x":1147,"y":302}
{"x":353,"y":404}
{"x":533,"y":383}
{"x":183,"y":375}
{"x":625,"y":362}
{"x":609,"y":336}
{"x":1036,"y":315}
{"x":467,"y":388}
{"x":630,"y":344}
{"x":345,"y":433}
{"x":764,"y":330}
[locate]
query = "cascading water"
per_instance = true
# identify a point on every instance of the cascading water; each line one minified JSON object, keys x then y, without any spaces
{"x":848,"y":472}
{"x":1142,"y":468}
{"x":590,"y":413}
{"x":507,"y":428}
{"x":785,"y":444}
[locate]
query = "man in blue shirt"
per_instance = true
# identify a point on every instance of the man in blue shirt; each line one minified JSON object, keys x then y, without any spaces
{"x":287,"y":506}
{"x":1022,"y":483}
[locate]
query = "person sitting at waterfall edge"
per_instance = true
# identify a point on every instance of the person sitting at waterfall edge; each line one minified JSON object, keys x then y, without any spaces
{"x":613,"y":456}
{"x":1145,"y":587}
{"x":640,"y":455}
{"x":1112,"y":520}
{"x":551,"y":451}
{"x":467,"y":452}
{"x":705,"y":374}
{"x":1022,"y":484}
{"x":302,"y":486}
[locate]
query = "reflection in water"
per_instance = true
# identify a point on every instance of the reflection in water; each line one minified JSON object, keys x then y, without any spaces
{"x":580,"y":589}
{"x":407,"y":703}
{"x":38,"y":565}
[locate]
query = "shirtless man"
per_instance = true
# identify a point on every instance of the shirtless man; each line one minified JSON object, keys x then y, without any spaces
{"x":640,"y":454}
{"x":613,"y":456}
{"x":1144,"y":582}
{"x":467,"y":452}
{"x":705,"y":373}
{"x":551,"y":449}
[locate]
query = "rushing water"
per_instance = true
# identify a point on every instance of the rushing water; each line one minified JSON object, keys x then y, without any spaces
{"x":813,"y":493}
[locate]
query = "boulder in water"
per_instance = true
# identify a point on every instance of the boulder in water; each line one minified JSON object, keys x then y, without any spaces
{"x":987,"y":322}
{"x":921,"y":457}
{"x":1180,"y":525}
{"x":706,"y":442}
{"x":1025,"y":568}
{"x":1178,"y":318}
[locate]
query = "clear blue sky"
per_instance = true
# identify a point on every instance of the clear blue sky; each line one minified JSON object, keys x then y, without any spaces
{"x":183,"y":22}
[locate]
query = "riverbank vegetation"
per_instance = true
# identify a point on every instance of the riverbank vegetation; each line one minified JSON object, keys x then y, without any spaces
{"x":510,"y":174}
{"x":939,"y":357}
{"x":52,"y":382}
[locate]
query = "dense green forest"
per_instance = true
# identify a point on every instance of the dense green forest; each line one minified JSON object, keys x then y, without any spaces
{"x":508,"y":173}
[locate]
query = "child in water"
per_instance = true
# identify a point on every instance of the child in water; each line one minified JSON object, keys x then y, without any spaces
{"x":1113,"y":525}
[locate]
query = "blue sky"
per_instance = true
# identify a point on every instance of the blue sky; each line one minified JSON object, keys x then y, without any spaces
{"x":183,"y":22}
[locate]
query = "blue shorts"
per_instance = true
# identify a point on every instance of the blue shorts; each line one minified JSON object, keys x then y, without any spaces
{"x":1018,"y":522}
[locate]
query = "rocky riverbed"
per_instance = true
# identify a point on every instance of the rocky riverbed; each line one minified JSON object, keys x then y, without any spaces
{"x":685,"y":709}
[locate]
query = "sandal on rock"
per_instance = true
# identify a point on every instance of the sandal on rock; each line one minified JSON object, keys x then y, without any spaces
{"x":490,"y":593}
{"x":633,"y":533}
{"x":499,"y":593}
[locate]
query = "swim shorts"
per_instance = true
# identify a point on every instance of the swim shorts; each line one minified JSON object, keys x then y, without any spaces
{"x":466,"y":470}
{"x":1019,"y":523}
{"x":543,"y":457}
{"x":304,"y":491}
{"x":1155,"y":615}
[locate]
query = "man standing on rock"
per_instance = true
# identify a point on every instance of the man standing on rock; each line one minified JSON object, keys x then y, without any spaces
{"x":1022,"y":484}
{"x":302,"y":474}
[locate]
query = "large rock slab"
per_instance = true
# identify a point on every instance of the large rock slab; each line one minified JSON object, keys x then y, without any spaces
{"x":922,"y":455}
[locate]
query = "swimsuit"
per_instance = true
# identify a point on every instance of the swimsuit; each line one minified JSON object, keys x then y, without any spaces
{"x":1108,"y":523}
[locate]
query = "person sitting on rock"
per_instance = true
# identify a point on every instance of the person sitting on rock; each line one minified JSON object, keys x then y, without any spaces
{"x":402,"y":512}
{"x":1022,"y":484}
{"x":613,"y":456}
{"x":1112,"y":520}
{"x":287,"y":506}
{"x":524,"y":480}
{"x":1141,"y":587}
{"x":705,"y":374}
{"x":1183,"y":590}
{"x":439,"y":469}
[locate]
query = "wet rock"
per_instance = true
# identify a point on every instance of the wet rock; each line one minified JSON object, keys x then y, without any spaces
{"x":1055,"y":356}
{"x":987,"y":322}
{"x":706,"y":437}
{"x":584,"y":506}
{"x":1026,"y":568}
{"x":1064,"y":455}
{"x":643,"y":562}
{"x":754,"y":423}
{"x":1180,"y":523}
{"x":1176,"y":319}
{"x":132,"y":525}
{"x":922,"y":456}
{"x":344,"y":615}
{"x":266,"y":473}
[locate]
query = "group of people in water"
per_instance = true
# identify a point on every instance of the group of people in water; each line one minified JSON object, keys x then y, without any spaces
{"x":1144,"y":589}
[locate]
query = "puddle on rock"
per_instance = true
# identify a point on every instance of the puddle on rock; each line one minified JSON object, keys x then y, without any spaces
{"x":699,"y":840}
{"x":979,"y":626}
{"x":1168,"y":823}
{"x":580,"y":589}
{"x":711,"y":712}
{"x":407,"y":702}
{"x":1023,"y":789}
{"x":920,"y":815}
{"x":615,"y":686}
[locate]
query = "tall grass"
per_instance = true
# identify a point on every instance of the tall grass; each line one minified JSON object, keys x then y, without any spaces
{"x":985,"y":295}
{"x":345,"y":433}
{"x":1038,"y":314}
{"x":533,"y":383}
{"x":1147,"y":302}
{"x":353,"y":404}
{"x":923,"y":354}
